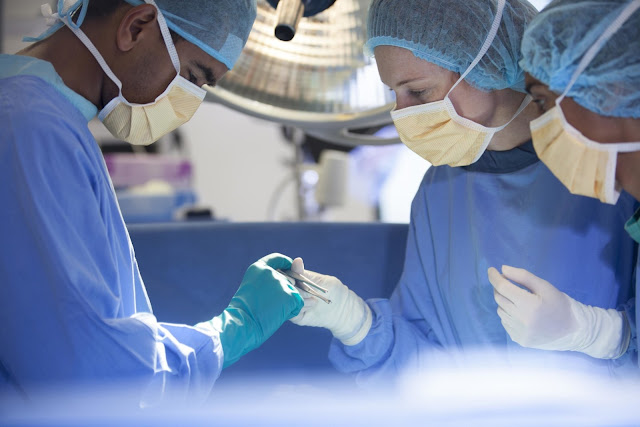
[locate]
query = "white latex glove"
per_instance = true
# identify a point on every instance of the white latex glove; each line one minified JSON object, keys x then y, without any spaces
{"x":542,"y":317}
{"x":348,"y":317}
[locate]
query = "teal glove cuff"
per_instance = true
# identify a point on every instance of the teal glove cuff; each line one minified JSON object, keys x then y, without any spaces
{"x":237,"y":334}
{"x":263,"y":302}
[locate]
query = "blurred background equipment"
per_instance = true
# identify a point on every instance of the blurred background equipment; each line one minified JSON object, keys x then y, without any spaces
{"x":153,"y":183}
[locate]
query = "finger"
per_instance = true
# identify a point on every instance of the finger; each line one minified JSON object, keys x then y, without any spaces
{"x":504,"y":303}
{"x":526,"y":279}
{"x":508,"y":323}
{"x":310,"y":302}
{"x":276,"y":261}
{"x":504,"y":316}
{"x":297,"y":266}
{"x":505,"y":288}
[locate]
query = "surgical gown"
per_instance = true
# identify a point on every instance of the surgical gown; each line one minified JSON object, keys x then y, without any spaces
{"x":505,"y":209}
{"x":73,"y":307}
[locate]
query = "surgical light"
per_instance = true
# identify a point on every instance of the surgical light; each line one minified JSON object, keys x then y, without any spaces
{"x":320,"y":81}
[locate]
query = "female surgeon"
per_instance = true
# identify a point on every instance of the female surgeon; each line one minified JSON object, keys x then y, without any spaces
{"x":582,"y":60}
{"x":487,"y":200}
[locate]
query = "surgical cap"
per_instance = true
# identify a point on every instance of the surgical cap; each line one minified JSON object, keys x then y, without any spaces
{"x":218,"y":27}
{"x":450,"y":33}
{"x":558,"y":38}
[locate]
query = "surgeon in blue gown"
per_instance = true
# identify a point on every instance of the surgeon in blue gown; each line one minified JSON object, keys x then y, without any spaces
{"x":487,"y":201}
{"x":73,"y":307}
{"x":582,"y":66}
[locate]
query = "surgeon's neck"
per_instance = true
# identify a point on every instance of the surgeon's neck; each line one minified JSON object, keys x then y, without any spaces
{"x":517,"y":132}
{"x":72,"y":61}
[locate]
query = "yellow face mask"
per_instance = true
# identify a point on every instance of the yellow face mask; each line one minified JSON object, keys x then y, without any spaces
{"x":584,"y":166}
{"x":437,"y":133}
{"x":142,"y":124}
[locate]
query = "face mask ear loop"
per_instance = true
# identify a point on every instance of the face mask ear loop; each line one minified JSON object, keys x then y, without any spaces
{"x":85,"y":40}
{"x":595,"y":48}
{"x":487,"y":43}
{"x":166,"y":35}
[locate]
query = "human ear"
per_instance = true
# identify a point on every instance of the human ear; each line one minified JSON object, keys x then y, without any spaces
{"x":136,"y":24}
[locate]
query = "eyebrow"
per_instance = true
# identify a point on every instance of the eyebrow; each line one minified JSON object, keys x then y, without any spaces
{"x":404,"y":82}
{"x":208,"y":73}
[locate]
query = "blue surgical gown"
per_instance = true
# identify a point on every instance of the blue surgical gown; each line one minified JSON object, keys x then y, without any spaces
{"x":73,"y":307}
{"x":505,"y":209}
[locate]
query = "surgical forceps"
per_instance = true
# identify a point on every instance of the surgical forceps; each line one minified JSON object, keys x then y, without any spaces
{"x":306,"y":284}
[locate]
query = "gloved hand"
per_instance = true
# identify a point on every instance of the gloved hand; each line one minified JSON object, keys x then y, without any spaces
{"x":545,"y":318}
{"x":262,"y":303}
{"x":348,"y":317}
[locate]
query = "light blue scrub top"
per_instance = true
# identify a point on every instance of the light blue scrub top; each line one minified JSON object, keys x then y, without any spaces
{"x":505,"y":209}
{"x":73,"y":307}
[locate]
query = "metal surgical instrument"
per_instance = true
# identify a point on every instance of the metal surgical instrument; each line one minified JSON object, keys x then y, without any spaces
{"x":306,"y":284}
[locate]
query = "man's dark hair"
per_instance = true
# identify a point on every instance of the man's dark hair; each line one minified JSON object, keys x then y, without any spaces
{"x":99,"y":9}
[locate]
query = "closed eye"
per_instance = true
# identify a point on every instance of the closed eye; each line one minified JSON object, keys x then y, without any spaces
{"x":193,"y":79}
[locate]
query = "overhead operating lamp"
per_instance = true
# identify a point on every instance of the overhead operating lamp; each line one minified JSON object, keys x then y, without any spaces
{"x":289,"y":13}
{"x":319,"y":81}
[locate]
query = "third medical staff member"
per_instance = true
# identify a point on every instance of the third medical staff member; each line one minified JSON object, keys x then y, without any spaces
{"x":487,"y":200}
{"x":73,"y":306}
{"x":582,"y":60}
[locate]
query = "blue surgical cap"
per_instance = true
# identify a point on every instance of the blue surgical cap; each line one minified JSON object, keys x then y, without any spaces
{"x":557,"y":39}
{"x":450,"y":33}
{"x":218,"y":27}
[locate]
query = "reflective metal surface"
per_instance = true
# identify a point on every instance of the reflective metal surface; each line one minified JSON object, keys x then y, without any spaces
{"x":320,"y":81}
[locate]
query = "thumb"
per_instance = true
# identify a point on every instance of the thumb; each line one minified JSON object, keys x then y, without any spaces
{"x":526,"y":279}
{"x":297,"y":266}
{"x":276,"y":261}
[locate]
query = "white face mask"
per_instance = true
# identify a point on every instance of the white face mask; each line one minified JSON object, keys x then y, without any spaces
{"x":436,"y":132}
{"x":142,"y":124}
{"x":584,"y":166}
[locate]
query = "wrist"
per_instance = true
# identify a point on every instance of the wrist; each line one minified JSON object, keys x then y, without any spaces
{"x":361,"y":331}
{"x":604,"y":333}
{"x":355,"y":320}
{"x":234,"y":329}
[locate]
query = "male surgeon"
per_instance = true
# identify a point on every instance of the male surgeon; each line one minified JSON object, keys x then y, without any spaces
{"x":73,"y":306}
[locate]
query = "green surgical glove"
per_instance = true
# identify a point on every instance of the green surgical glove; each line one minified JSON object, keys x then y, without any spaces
{"x":263,"y":302}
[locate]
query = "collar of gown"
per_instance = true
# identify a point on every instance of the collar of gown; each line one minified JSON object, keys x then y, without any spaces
{"x":505,"y":161}
{"x":19,"y":65}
